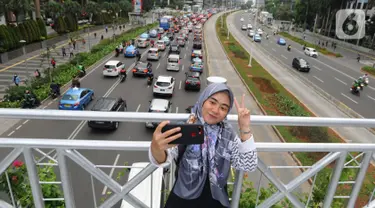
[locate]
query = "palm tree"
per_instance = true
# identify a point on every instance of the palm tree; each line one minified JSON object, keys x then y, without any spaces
{"x":92,"y":8}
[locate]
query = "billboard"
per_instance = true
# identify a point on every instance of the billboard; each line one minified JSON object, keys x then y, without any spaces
{"x":137,"y":5}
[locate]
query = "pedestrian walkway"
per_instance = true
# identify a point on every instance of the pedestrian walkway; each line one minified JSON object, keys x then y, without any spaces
{"x":219,"y":65}
{"x":24,"y":66}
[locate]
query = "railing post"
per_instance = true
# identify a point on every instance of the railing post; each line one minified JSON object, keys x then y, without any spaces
{"x":340,"y":163}
{"x":33,"y":178}
{"x":359,"y":180}
{"x":65,"y":180}
{"x":237,"y":189}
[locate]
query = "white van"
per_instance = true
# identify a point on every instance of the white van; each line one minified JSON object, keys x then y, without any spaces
{"x":173,"y":62}
{"x":143,"y":190}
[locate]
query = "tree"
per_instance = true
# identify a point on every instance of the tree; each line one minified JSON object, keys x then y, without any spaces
{"x":126,"y":7}
{"x":19,"y":7}
{"x":54,"y":9}
{"x":92,"y":8}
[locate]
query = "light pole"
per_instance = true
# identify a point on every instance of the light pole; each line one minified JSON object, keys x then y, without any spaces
{"x":255,"y":27}
{"x":228,"y":32}
{"x":88,"y":37}
{"x":24,"y":50}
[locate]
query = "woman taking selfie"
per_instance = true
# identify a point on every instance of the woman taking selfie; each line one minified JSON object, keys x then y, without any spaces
{"x":204,"y":168}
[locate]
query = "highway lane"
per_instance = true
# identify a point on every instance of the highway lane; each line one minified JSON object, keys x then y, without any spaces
{"x":137,"y":94}
{"x":334,"y":78}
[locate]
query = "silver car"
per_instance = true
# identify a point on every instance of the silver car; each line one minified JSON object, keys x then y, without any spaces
{"x":153,"y":54}
{"x":158,"y":106}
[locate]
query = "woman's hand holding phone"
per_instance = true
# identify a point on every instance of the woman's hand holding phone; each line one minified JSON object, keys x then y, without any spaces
{"x":160,"y":141}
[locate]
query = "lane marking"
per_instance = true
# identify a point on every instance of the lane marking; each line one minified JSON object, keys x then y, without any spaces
{"x":318,"y":79}
{"x":185,"y":56}
{"x":10,"y":134}
{"x":111,"y":173}
{"x":340,"y":81}
{"x":25,"y":122}
{"x":18,"y":127}
{"x":139,"y":106}
{"x":158,"y":66}
{"x":50,"y":103}
{"x":317,"y":68}
{"x":371,"y":97}
{"x":179,"y":86}
{"x":349,"y":98}
{"x":284,"y":57}
{"x":183,"y":67}
{"x":274,"y":49}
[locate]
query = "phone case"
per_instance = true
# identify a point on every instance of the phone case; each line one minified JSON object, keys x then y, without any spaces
{"x":191,"y":133}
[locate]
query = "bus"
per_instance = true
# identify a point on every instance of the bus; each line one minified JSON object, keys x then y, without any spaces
{"x":145,"y":191}
{"x":165,"y":22}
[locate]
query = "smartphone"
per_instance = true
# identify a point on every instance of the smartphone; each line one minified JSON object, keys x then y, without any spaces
{"x":191,"y":133}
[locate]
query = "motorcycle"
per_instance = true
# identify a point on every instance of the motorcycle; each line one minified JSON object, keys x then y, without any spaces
{"x":149,"y":81}
{"x":355,"y":90}
{"x":289,"y":48}
{"x":122,"y":77}
{"x":366,"y":81}
{"x":54,"y":94}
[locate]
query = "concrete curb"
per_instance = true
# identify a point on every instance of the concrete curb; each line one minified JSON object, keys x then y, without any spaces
{"x":295,"y":159}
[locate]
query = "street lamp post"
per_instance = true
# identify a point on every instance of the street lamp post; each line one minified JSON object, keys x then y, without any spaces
{"x":88,"y":37}
{"x":228,"y":32}
{"x":24,"y":50}
{"x":255,"y":27}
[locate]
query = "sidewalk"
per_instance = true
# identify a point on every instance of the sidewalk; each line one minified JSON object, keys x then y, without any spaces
{"x":219,"y":65}
{"x":25,"y":65}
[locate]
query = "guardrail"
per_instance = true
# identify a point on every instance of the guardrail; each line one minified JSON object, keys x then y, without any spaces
{"x":68,"y":148}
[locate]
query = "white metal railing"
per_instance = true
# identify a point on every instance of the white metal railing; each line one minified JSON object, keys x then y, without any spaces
{"x":64,"y":148}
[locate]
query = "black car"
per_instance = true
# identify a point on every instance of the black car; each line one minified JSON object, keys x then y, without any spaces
{"x":174,"y":48}
{"x":141,"y":69}
{"x":192,"y":81}
{"x":107,"y":104}
{"x":301,"y":64}
{"x":197,"y":44}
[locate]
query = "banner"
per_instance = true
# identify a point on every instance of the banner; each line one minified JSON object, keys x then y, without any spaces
{"x":137,"y":5}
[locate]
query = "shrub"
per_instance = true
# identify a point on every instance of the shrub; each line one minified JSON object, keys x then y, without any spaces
{"x":42,"y":27}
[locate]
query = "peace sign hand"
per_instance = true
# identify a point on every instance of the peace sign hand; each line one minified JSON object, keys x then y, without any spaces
{"x":243,"y":115}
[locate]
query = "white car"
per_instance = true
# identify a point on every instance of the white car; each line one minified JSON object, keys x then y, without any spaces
{"x":311,"y":52}
{"x":164,"y":85}
{"x":142,"y":43}
{"x":249,"y":26}
{"x":161,"y":45}
{"x":158,"y":106}
{"x":260,"y":32}
{"x":244,"y":27}
{"x":112,"y":68}
{"x":242,"y":19}
{"x":251,"y":33}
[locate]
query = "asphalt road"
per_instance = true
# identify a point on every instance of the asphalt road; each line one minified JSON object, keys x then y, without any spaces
{"x":137,"y":95}
{"x":331,"y":76}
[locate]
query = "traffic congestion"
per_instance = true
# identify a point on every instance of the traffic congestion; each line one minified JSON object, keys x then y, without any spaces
{"x":170,"y":55}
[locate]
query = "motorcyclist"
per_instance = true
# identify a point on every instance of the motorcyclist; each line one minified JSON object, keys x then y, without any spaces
{"x":82,"y":70}
{"x":150,"y":77}
{"x":55,"y":88}
{"x":29,"y":99}
{"x":355,"y":84}
{"x":117,"y":51}
{"x":304,"y":47}
{"x":289,"y":47}
{"x":123,"y":72}
{"x":75,"y":82}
